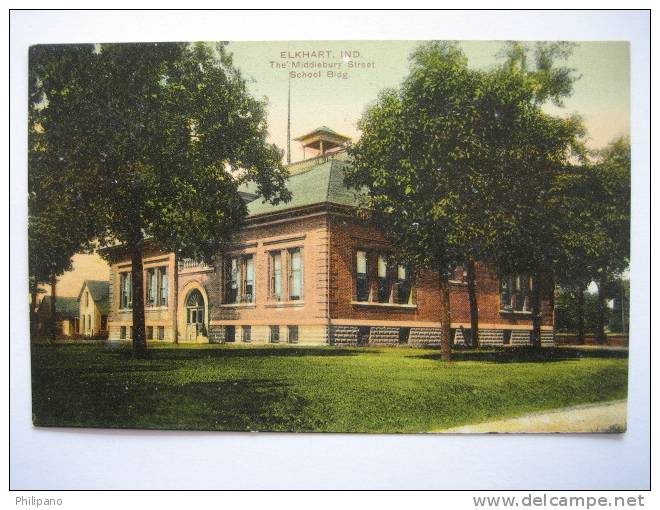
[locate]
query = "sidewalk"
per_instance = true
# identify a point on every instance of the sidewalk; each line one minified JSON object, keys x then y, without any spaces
{"x":607,"y":417}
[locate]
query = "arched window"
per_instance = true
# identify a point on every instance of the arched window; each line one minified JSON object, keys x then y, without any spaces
{"x":195,"y":298}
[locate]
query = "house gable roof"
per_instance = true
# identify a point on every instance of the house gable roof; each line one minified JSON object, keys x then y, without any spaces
{"x":66,"y":306}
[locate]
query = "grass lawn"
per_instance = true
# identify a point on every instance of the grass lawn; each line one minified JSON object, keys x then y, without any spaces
{"x":280,"y":388}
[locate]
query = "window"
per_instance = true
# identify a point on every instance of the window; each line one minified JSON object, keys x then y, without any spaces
{"x":82,"y":328}
{"x":163,"y":286}
{"x":125,"y":290}
{"x":403,"y":284}
{"x":122,"y":331}
{"x":293,"y":334}
{"x":239,"y":277}
{"x":362,"y":279}
{"x":404,"y":335}
{"x":86,"y":298}
{"x":295,"y":274}
{"x":274,"y":334}
{"x":232,"y":281}
{"x":248,"y":279}
{"x":507,"y":337}
{"x":161,"y":332}
{"x":246,"y":334}
{"x":89,"y":322}
{"x":276,"y":275}
{"x":230,"y":333}
{"x":383,"y":280}
{"x":150,"y":332}
{"x":156,"y":282}
{"x":151,"y":287}
{"x":515,"y":293}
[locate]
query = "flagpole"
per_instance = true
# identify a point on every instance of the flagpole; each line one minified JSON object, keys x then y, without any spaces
{"x":288,"y":124}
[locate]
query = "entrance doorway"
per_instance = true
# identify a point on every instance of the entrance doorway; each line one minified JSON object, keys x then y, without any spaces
{"x":195,"y":314}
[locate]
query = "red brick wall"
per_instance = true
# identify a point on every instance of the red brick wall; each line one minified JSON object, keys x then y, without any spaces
{"x":347,"y":235}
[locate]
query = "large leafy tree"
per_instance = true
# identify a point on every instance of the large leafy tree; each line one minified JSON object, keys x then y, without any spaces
{"x":157,"y":138}
{"x":527,"y":238}
{"x":57,"y":224}
{"x":612,"y":208}
{"x":456,"y":159}
{"x":592,"y":226}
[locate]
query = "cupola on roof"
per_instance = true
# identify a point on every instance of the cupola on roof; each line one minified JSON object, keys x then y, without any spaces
{"x":322,"y":139}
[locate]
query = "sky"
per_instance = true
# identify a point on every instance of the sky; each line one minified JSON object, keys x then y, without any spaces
{"x":601,"y":96}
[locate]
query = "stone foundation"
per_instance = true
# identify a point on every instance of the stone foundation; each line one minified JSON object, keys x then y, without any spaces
{"x":425,"y":337}
{"x":380,"y":335}
{"x":521,"y":337}
{"x":342,"y":335}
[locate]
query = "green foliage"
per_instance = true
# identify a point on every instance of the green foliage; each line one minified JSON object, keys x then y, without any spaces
{"x":153,"y":140}
{"x":591,"y":204}
{"x":566,"y":311}
{"x":539,"y":63}
{"x":458,"y":163}
{"x":319,"y":389}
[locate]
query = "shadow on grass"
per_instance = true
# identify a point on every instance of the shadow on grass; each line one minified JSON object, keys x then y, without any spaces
{"x":244,"y":404}
{"x":182,"y":353}
{"x":527,"y":354}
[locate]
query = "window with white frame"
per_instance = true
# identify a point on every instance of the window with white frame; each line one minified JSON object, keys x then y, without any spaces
{"x":239,"y":279}
{"x":275,"y":275}
{"x":516,"y":292}
{"x":156,"y":282}
{"x":125,"y":296}
{"x":403,"y":284}
{"x":362,"y":278}
{"x":295,"y":274}
{"x":383,"y":279}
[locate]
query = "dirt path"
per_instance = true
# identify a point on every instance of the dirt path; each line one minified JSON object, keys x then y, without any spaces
{"x":607,"y":417}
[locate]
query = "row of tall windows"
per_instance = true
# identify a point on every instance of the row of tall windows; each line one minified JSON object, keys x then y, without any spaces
{"x":156,"y":283}
{"x":390,"y":282}
{"x":285,"y":277}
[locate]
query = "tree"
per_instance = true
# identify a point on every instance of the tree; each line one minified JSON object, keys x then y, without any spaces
{"x":612,"y":171}
{"x":57,"y":225}
{"x":592,"y":229}
{"x":577,"y":235}
{"x":158,"y":137}
{"x":527,"y":239}
{"x":567,"y":315}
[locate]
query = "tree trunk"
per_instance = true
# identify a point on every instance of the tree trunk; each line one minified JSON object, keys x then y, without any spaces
{"x":137,"y":292}
{"x":580,"y":316}
{"x":536,"y":311}
{"x":53,"y":308}
{"x":474,"y":308}
{"x":600,"y":320}
{"x":446,"y":316}
{"x":34,"y":287}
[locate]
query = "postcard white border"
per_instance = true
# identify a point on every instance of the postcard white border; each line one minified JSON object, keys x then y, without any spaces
{"x":86,"y":458}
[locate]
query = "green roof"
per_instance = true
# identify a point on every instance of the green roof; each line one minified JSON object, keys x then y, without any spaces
{"x":66,"y":306}
{"x":322,"y":183}
{"x":100,"y":292}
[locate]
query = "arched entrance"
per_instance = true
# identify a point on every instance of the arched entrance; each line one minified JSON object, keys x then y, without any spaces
{"x":195,"y":315}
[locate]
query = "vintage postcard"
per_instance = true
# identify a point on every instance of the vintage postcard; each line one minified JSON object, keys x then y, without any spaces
{"x":330,"y":236}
